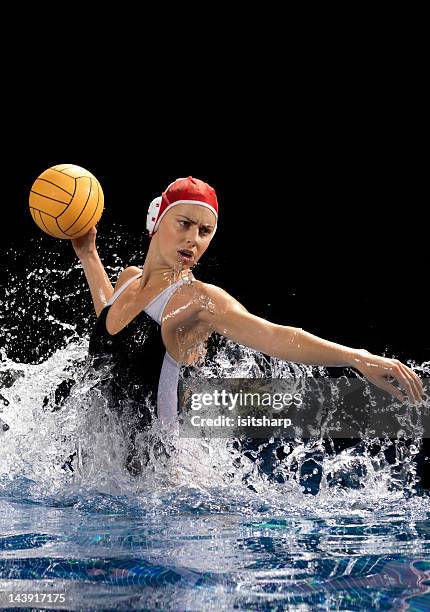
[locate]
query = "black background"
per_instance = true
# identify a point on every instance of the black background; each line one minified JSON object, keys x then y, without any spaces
{"x":323,"y":219}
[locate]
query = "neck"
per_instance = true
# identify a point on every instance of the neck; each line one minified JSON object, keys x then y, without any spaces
{"x":157,"y":274}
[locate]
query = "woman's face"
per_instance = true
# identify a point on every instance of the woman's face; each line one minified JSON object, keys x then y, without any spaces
{"x":184,"y":234}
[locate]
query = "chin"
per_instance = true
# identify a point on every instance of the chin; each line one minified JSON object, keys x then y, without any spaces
{"x":184,"y":265}
{"x":179,"y":265}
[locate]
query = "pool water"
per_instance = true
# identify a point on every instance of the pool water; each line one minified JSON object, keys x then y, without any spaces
{"x":195,"y":549}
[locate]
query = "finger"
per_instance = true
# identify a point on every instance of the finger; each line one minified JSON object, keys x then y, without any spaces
{"x":403,"y":380}
{"x":416,"y":378}
{"x":390,"y":388}
{"x":415,"y":382}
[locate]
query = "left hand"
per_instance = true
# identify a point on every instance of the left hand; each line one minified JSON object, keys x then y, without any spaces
{"x":379,"y":370}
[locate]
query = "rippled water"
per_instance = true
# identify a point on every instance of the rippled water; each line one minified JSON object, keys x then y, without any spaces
{"x":189,"y":548}
{"x":208,"y":526}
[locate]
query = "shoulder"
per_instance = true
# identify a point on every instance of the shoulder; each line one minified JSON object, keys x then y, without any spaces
{"x":189,"y":300}
{"x":201,"y":291}
{"x":126,"y":274}
{"x":211,"y":298}
{"x":220,"y":295}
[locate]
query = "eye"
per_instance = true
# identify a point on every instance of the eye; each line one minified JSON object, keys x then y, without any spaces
{"x":186,"y":223}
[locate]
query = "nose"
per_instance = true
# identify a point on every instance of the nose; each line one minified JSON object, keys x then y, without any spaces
{"x":192,"y":235}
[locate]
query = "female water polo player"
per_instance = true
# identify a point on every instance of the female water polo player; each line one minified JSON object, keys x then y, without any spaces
{"x":158,"y":319}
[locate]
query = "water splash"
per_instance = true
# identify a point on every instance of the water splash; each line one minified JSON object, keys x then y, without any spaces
{"x":59,"y":436}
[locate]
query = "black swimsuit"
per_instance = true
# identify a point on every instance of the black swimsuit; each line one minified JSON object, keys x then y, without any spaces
{"x":142,"y":379}
{"x":135,"y":356}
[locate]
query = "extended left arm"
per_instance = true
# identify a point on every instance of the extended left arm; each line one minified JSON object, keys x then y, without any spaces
{"x":228,"y":317}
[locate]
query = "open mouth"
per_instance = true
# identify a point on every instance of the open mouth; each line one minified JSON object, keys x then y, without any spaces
{"x":186,"y":255}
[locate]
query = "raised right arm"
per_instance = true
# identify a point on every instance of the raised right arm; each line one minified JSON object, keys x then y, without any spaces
{"x":97,"y":278}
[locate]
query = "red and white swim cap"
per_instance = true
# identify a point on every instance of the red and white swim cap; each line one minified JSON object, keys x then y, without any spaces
{"x":182,"y":191}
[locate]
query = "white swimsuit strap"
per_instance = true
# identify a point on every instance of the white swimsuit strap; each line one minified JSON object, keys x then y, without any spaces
{"x":121,"y":289}
{"x":156,"y":307}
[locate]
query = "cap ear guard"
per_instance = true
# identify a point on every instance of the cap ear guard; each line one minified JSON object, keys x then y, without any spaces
{"x":152,"y":216}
